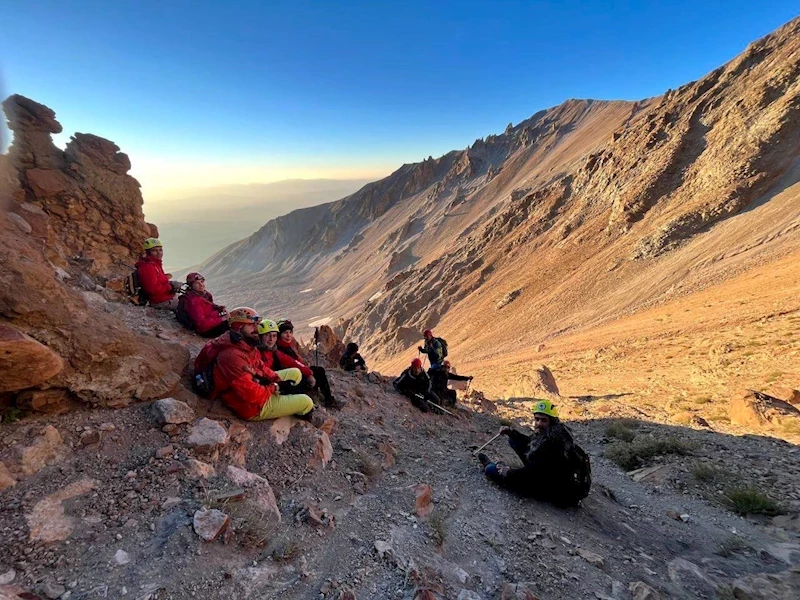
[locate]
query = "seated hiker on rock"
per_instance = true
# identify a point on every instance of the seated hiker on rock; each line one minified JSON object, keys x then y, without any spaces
{"x":240,"y":378}
{"x":440,"y":377}
{"x":318,"y":380}
{"x":434,"y":348}
{"x":197,"y":311}
{"x":555,"y":468}
{"x":351,"y":360}
{"x":415,"y":384}
{"x":156,"y":285}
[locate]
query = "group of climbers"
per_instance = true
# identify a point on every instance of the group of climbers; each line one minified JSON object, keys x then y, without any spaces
{"x":252,"y":366}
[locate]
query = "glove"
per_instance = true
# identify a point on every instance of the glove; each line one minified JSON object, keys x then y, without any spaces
{"x":420,"y":348}
{"x":286,"y":387}
{"x":471,"y":378}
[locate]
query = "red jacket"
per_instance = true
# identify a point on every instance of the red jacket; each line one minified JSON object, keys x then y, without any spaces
{"x":202,"y":310}
{"x":235,"y":363}
{"x":277,"y":360}
{"x":153,"y":280}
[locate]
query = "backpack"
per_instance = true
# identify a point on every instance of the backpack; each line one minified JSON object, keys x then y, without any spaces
{"x":133,"y":289}
{"x":581,"y":471}
{"x":443,"y":342}
{"x":182,"y":315}
{"x":203,"y":382}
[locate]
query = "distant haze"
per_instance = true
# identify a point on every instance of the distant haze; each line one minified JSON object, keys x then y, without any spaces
{"x":195,"y":227}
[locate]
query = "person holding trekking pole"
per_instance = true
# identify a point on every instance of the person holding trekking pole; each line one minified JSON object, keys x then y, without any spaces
{"x":555,"y":469}
{"x":435,"y":349}
{"x":415,"y":385}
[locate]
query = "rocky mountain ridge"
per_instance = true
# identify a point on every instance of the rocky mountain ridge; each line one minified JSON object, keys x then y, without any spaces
{"x":584,"y":213}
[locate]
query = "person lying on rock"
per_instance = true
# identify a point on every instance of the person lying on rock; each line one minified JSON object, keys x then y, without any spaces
{"x":156,"y":285}
{"x":415,"y":385}
{"x":555,"y":468}
{"x":433,"y":348}
{"x":318,"y":380}
{"x":351,"y":360}
{"x":242,"y":380}
{"x":440,"y":377}
{"x":197,"y":311}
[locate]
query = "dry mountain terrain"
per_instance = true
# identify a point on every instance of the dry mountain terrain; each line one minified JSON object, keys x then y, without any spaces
{"x":584,"y":214}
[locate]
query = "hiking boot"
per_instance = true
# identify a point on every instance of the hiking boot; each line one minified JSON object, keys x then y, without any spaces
{"x":483,"y":459}
{"x":335,"y":403}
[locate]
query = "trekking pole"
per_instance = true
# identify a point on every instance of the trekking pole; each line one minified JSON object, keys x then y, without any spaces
{"x":441,"y":408}
{"x":316,"y":346}
{"x":487,"y":443}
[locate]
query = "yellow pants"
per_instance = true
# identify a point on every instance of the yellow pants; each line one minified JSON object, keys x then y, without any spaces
{"x":284,"y":405}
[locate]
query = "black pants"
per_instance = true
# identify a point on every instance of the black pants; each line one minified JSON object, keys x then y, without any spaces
{"x":323,"y":386}
{"x":422,"y":400}
{"x":216,"y":331}
{"x":447,"y":396}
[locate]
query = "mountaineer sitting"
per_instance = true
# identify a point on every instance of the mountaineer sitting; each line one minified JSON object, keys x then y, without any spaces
{"x":197,"y":311}
{"x":240,"y":377}
{"x":415,"y":384}
{"x":435,"y":348}
{"x":351,"y":360}
{"x":156,"y":285}
{"x":439,"y":379}
{"x":555,"y":468}
{"x":318,"y":380}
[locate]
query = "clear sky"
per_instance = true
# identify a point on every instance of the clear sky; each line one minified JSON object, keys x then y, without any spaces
{"x":201,"y":93}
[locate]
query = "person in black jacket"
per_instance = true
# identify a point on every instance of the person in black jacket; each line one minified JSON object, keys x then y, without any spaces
{"x":351,"y":360}
{"x":550,"y":472}
{"x":440,"y":377}
{"x":415,"y":384}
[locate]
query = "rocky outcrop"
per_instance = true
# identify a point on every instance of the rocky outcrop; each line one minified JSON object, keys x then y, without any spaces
{"x":94,"y":206}
{"x":754,"y":409}
{"x":26,"y":362}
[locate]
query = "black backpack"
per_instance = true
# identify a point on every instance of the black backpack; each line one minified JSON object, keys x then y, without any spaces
{"x":443,"y":342}
{"x":203,"y":383}
{"x":133,"y":289}
{"x":581,"y":471}
{"x":182,"y":315}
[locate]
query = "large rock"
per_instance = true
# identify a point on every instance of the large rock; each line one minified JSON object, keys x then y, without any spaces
{"x":210,"y":524}
{"x":691,"y":578}
{"x":170,"y":410}
{"x":6,"y":478}
{"x":25,"y":362}
{"x":40,"y":447}
{"x":539,"y":383}
{"x":259,"y":492}
{"x":754,"y":409}
{"x":206,"y":435}
{"x":95,"y":206}
{"x":772,"y":586}
{"x":641,"y":591}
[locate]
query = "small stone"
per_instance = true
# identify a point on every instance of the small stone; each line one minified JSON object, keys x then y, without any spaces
{"x":8,"y":577}
{"x":206,"y":435}
{"x":107,"y":427}
{"x":53,"y":590}
{"x":461,"y":575}
{"x":170,"y":502}
{"x":131,"y":523}
{"x":122,"y":557}
{"x":165,"y":451}
{"x":6,"y":479}
{"x":592,"y":558}
{"x":199,"y":470}
{"x":383,"y":548}
{"x":641,"y":591}
{"x":210,"y":524}
{"x":468,"y":595}
{"x":172,"y":411}
{"x":673,"y":515}
{"x":90,"y":438}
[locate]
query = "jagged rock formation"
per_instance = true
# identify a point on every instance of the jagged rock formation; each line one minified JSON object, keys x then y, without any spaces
{"x":94,"y":206}
{"x":598,"y":209}
{"x":74,"y":220}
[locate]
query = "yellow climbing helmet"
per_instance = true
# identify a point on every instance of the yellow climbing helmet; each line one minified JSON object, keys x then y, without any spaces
{"x":545,"y":407}
{"x":243,"y":314}
{"x":267,"y":326}
{"x":151,"y":243}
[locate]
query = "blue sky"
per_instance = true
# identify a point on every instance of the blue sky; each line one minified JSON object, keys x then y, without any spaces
{"x":201,"y":93}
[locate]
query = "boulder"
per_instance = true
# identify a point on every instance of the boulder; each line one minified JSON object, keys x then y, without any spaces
{"x":754,"y":409}
{"x":773,"y":586}
{"x":26,"y":362}
{"x":53,"y":401}
{"x":259,"y":492}
{"x":690,"y":577}
{"x":206,"y":435}
{"x":592,"y":558}
{"x":170,"y":410}
{"x":641,"y":591}
{"x":6,"y":479}
{"x":539,"y":383}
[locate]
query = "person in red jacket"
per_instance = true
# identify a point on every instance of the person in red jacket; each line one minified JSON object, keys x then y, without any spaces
{"x":196,"y":309}
{"x":240,"y":377}
{"x":156,"y":285}
{"x":318,"y":380}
